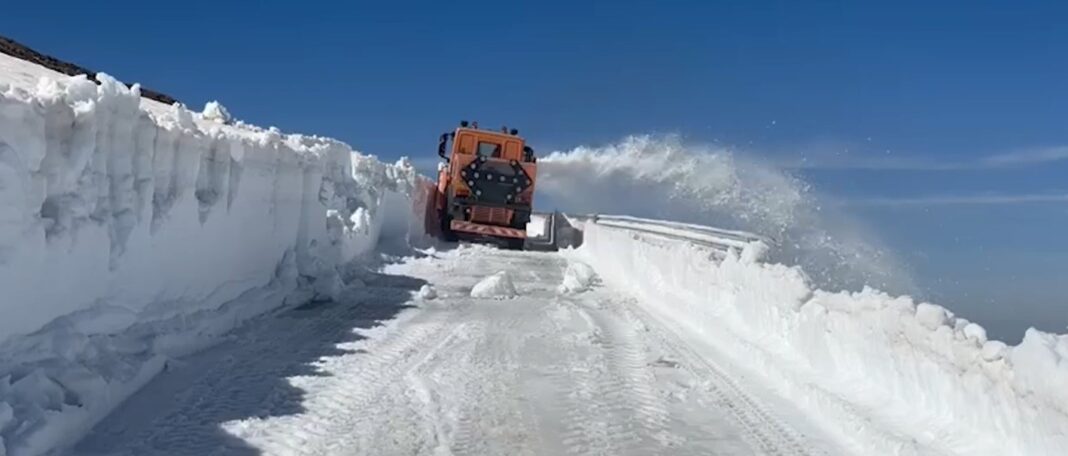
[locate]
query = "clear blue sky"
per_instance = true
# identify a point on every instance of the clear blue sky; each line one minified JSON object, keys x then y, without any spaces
{"x":954,"y":114}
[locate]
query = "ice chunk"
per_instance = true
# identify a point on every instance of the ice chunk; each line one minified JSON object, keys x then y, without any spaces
{"x":427,"y":292}
{"x":578,"y":277}
{"x":216,"y":112}
{"x":993,"y":350}
{"x":37,"y":388}
{"x":1041,"y":362}
{"x":931,"y":316}
{"x":975,"y":332}
{"x":328,"y":286}
{"x":181,"y":117}
{"x":498,"y":285}
{"x":754,"y":252}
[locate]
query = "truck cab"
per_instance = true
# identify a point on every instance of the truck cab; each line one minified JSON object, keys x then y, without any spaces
{"x":485,"y":190}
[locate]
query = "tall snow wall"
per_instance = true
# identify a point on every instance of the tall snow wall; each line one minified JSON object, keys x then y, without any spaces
{"x":132,"y":231}
{"x":849,"y":358}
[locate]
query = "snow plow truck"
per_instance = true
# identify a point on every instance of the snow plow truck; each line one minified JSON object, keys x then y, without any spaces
{"x":485,"y":191}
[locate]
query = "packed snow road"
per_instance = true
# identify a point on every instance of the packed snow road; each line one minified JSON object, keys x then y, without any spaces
{"x":411,"y":363}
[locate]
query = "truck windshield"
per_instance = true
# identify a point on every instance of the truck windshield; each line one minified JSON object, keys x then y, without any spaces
{"x":489,"y":149}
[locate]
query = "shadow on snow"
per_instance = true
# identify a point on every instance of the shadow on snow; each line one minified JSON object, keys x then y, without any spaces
{"x":181,"y":412}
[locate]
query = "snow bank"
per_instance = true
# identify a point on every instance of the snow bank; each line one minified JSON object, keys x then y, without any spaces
{"x":849,"y":358}
{"x":498,"y":285}
{"x":132,"y":231}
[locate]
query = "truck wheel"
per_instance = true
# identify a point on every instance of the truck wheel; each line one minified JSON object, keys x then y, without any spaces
{"x":515,"y":244}
{"x":447,"y":234}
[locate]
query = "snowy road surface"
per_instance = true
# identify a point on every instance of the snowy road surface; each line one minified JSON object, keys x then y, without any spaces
{"x":389,"y":370}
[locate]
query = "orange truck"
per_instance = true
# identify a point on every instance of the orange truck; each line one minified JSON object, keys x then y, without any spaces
{"x":485,"y":189}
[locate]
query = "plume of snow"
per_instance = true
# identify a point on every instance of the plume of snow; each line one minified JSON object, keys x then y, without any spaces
{"x":663,"y":177}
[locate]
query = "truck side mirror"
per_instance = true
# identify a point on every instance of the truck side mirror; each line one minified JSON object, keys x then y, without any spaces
{"x":441,"y":145}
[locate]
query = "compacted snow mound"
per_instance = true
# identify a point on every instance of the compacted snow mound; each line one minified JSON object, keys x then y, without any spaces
{"x":578,"y":277}
{"x":850,"y":357}
{"x":132,"y":231}
{"x":216,"y":112}
{"x":427,"y":292}
{"x":498,"y":285}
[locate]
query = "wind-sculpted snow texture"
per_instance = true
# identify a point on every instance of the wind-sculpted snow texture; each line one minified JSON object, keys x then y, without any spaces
{"x":132,"y":231}
{"x":889,"y":374}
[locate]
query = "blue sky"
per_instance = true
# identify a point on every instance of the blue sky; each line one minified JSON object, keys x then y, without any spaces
{"x":942,"y":125}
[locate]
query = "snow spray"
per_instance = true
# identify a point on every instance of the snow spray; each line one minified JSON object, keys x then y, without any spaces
{"x":663,"y":177}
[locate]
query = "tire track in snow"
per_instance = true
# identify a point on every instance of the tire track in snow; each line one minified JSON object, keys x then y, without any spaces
{"x":233,"y":382}
{"x":588,"y":430}
{"x":538,"y":374}
{"x":343,"y":409}
{"x":765,"y":432}
{"x":489,"y":404}
{"x":427,"y":399}
{"x":613,"y":407}
{"x":633,"y":382}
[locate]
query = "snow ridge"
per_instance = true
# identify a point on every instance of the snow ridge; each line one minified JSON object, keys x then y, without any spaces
{"x":132,"y":232}
{"x":848,"y":358}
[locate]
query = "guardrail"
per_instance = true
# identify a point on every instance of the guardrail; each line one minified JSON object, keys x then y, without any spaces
{"x":718,"y":239}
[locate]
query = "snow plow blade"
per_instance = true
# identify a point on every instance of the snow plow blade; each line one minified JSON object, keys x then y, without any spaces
{"x":549,"y":232}
{"x":485,"y":193}
{"x":485,"y":187}
{"x":461,"y":226}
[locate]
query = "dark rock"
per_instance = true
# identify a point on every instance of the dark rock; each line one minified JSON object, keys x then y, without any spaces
{"x":21,"y":51}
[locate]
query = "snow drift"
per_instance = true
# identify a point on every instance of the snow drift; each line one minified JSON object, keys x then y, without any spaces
{"x":850,"y":357}
{"x":131,"y":232}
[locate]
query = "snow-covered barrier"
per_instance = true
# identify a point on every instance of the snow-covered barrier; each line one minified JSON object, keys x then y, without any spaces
{"x":132,"y":232}
{"x":850,"y":357}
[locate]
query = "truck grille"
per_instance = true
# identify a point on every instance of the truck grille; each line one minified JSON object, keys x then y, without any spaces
{"x":491,"y":215}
